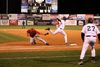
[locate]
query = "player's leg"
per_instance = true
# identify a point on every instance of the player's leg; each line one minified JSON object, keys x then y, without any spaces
{"x":84,"y":49}
{"x":55,"y":32}
{"x":65,"y":36}
{"x":92,"y":49}
{"x":42,"y":40}
{"x":93,"y":52}
{"x":32,"y":40}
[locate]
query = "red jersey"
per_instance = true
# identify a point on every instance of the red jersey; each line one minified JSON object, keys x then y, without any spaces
{"x":32,"y":32}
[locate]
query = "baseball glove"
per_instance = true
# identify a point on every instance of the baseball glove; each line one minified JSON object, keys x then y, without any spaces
{"x":46,"y":34}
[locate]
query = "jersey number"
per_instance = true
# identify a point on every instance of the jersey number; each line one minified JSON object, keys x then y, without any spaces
{"x":90,"y":28}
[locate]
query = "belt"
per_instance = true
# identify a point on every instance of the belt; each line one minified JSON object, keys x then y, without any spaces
{"x":60,"y":28}
{"x":90,"y":36}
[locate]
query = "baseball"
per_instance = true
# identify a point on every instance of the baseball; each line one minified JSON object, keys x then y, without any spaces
{"x":73,"y":44}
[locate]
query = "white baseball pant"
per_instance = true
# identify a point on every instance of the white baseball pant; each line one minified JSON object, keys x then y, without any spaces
{"x":60,"y":31}
{"x":85,"y":47}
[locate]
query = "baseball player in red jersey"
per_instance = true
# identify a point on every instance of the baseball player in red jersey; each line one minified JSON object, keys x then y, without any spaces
{"x":88,"y":35}
{"x":34,"y":34}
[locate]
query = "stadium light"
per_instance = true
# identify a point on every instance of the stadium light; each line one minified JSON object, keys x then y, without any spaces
{"x":39,"y":1}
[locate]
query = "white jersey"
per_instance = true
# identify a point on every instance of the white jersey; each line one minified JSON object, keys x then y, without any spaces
{"x":90,"y":29}
{"x":62,"y":24}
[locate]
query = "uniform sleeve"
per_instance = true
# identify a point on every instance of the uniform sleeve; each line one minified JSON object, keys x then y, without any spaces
{"x":37,"y":32}
{"x":83,"y":29}
{"x":82,"y":36}
{"x":83,"y":32}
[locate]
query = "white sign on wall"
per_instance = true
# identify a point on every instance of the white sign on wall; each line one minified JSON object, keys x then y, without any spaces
{"x":4,"y":22}
{"x":71,"y":22}
{"x":81,"y":16}
{"x":13,"y":16}
{"x":63,"y":15}
{"x":30,"y":22}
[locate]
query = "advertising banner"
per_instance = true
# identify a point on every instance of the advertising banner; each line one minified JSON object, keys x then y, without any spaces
{"x":21,"y":16}
{"x":54,"y":16}
{"x":13,"y":22}
{"x":20,"y":22}
{"x":4,"y":16}
{"x":29,"y":22}
{"x":81,"y":16}
{"x":4,"y":22}
{"x":12,"y":16}
{"x":71,"y":22}
{"x":63,"y":15}
{"x":45,"y":16}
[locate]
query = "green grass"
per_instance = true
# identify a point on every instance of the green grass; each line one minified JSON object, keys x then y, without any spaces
{"x":6,"y":37}
{"x":43,"y":27}
{"x":46,"y":59}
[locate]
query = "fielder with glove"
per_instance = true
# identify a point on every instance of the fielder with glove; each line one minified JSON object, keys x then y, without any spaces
{"x":34,"y":34}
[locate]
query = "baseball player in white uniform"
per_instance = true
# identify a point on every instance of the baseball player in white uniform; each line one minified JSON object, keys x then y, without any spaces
{"x":88,"y":35}
{"x":60,"y":24}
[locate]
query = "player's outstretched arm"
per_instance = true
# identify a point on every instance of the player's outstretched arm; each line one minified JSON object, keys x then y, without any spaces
{"x":43,"y":33}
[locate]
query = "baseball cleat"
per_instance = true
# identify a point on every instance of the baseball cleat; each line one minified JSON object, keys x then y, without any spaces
{"x":80,"y":63}
{"x":92,"y":59}
{"x":47,"y":29}
{"x":66,"y":44}
{"x":47,"y":43}
{"x":34,"y":42}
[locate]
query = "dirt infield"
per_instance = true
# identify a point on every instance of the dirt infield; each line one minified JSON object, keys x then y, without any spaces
{"x":56,"y":42}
